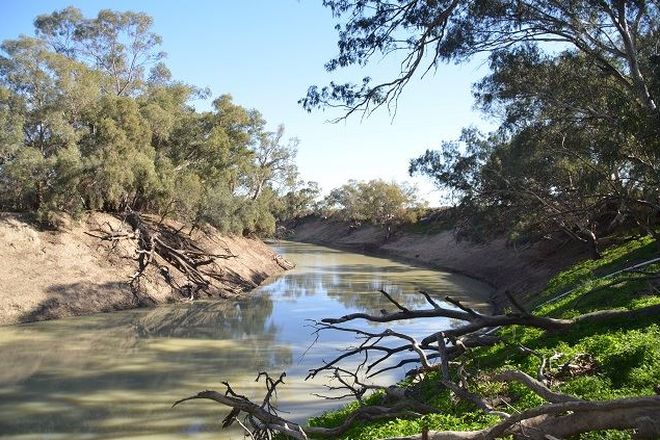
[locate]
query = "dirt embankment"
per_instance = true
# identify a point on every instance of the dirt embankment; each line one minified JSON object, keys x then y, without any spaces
{"x":520,"y":270}
{"x":53,"y":274}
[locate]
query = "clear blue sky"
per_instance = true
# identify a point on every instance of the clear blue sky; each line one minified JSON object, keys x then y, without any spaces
{"x":266,"y":53}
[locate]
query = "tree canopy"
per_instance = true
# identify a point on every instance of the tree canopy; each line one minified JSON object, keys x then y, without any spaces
{"x":376,"y":202}
{"x":573,"y":83}
{"x":91,"y":118}
{"x":618,"y":36}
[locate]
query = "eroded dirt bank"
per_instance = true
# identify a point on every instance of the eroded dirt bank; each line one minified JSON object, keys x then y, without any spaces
{"x":53,"y":274}
{"x":520,"y":270}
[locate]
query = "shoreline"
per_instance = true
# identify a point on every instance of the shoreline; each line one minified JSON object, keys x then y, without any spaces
{"x":522,"y":271}
{"x":56,"y":274}
{"x":380,"y":253}
{"x":71,"y":272}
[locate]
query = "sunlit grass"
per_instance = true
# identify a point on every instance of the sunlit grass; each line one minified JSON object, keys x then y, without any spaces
{"x":619,"y":357}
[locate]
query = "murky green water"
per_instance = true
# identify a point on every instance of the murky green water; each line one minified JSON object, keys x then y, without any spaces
{"x":115,"y":376}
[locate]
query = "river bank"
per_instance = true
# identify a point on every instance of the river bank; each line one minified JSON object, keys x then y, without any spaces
{"x":613,"y":358}
{"x":522,"y":270}
{"x":53,"y":274}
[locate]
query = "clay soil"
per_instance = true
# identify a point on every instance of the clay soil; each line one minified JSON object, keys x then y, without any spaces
{"x":49,"y":274}
{"x":523,"y":271}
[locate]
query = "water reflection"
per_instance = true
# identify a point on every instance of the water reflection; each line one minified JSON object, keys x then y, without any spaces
{"x":354,"y":280}
{"x":116,"y":375}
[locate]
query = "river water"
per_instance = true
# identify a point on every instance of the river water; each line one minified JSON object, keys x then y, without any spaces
{"x":115,"y":375}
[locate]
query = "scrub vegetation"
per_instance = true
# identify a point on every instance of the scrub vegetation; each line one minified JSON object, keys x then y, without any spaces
{"x":91,"y":119}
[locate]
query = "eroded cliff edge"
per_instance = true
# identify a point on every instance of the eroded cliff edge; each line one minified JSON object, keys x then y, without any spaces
{"x":50,"y":274}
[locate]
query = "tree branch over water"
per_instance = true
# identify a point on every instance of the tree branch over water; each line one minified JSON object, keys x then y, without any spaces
{"x":563,"y":416}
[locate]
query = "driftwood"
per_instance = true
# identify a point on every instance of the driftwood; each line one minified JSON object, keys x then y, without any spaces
{"x":563,"y":416}
{"x":375,"y":351}
{"x":566,"y":419}
{"x":262,"y":419}
{"x":476,"y":321}
{"x":166,"y":248}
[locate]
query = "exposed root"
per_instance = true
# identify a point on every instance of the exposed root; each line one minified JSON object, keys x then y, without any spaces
{"x":169,"y":250}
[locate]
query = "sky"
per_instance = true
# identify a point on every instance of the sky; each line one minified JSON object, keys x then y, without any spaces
{"x":266,"y":53}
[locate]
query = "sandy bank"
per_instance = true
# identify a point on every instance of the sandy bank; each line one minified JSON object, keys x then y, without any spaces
{"x":520,"y":270}
{"x":53,"y":274}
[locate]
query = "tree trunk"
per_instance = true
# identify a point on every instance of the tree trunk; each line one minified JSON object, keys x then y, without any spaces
{"x":257,"y":190}
{"x":594,"y":246}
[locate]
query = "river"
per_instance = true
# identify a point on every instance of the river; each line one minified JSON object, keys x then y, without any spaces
{"x":115,"y":375}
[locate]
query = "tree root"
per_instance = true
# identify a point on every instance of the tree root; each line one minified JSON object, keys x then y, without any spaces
{"x":167,"y":249}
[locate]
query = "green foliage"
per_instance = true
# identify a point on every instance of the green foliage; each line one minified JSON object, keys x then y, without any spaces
{"x":376,"y":201}
{"x":620,"y":358}
{"x":574,"y":84}
{"x":585,"y":272}
{"x":299,"y":201}
{"x":83,"y":127}
{"x":273,"y":162}
{"x":429,"y":33}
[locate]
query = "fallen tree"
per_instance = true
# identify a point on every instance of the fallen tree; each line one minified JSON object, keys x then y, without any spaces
{"x":563,"y":417}
{"x":186,"y":267}
{"x":441,"y":354}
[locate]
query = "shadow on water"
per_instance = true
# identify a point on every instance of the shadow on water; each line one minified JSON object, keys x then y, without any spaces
{"x":116,"y":375}
{"x":77,"y":294}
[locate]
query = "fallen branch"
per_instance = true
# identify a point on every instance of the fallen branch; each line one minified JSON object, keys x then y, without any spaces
{"x":170,"y":247}
{"x":566,"y":419}
{"x":566,"y":416}
{"x":262,"y":420}
{"x":537,"y":386}
{"x":476,"y":321}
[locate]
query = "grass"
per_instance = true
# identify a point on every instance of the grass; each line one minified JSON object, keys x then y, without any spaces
{"x":611,"y":359}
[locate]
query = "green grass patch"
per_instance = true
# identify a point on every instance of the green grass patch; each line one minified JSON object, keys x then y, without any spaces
{"x":613,"y":259}
{"x":607,"y":360}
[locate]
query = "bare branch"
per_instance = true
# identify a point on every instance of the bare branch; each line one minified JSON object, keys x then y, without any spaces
{"x":534,"y":385}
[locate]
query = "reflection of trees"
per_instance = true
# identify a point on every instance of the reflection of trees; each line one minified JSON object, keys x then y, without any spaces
{"x":356,"y":286}
{"x":243,"y":324}
{"x":294,"y":248}
{"x":210,"y":320}
{"x":128,"y":361}
{"x":75,"y":344}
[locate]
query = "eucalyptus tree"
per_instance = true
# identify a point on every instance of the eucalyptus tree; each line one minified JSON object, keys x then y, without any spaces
{"x":121,"y":44}
{"x":91,"y":118}
{"x":274,"y":162}
{"x":300,"y":200}
{"x":377,"y":202}
{"x":574,"y":84}
{"x":619,"y":37}
{"x":571,"y":155}
{"x":50,"y":95}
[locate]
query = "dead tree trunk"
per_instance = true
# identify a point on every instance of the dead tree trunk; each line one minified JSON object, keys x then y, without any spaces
{"x":166,"y":247}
